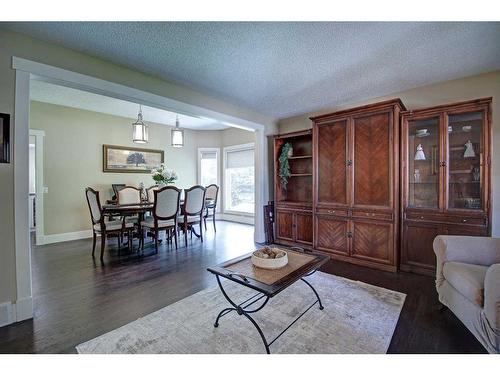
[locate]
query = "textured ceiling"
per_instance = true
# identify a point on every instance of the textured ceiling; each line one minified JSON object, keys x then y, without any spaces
{"x":282,"y":68}
{"x":54,"y":94}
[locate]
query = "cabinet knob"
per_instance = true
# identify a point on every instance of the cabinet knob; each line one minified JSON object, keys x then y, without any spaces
{"x":421,"y":217}
{"x":464,"y":220}
{"x":349,"y":234}
{"x":349,"y":163}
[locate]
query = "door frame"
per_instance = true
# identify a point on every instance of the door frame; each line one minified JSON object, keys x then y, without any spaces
{"x":39,"y":189}
{"x":27,"y":70}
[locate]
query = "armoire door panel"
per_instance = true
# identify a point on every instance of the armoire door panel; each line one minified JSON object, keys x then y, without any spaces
{"x":372,"y":240}
{"x":304,"y":228}
{"x":284,"y":225}
{"x":372,"y":160}
{"x":331,"y":163}
{"x":417,"y":245}
{"x":331,"y":234}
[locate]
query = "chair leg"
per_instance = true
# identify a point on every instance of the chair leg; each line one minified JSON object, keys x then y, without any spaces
{"x":156,"y":240}
{"x":119,"y":243}
{"x":201,"y":230}
{"x":205,"y":221}
{"x":93,"y":243}
{"x":130,"y":239}
{"x":142,"y":233}
{"x":175,"y":237}
{"x":185,"y":234}
{"x":213,"y":219}
{"x":103,"y":244}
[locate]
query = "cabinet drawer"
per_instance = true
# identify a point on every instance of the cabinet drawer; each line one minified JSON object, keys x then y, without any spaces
{"x":331,"y":211}
{"x":466,"y":220}
{"x":423,"y":217}
{"x":373,"y":215}
{"x":447,"y":218}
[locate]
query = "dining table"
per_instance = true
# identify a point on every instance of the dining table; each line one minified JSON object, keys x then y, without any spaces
{"x":140,"y":209}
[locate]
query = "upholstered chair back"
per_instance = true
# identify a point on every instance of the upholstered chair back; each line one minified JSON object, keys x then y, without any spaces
{"x":166,"y":202}
{"x":194,"y":200}
{"x":212,"y":192}
{"x":151,"y":193}
{"x":129,"y":195}
{"x":94,"y":204}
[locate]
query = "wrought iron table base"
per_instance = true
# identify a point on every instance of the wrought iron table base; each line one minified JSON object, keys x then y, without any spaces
{"x":241,"y":309}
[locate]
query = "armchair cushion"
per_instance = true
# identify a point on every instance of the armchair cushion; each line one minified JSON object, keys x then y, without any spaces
{"x":468,"y":279}
{"x":492,"y":299}
{"x":483,"y":251}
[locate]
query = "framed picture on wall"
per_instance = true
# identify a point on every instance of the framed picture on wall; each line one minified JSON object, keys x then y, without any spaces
{"x":119,"y":159}
{"x":4,"y":138}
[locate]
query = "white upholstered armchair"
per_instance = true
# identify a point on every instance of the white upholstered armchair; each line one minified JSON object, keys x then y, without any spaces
{"x":468,"y":283}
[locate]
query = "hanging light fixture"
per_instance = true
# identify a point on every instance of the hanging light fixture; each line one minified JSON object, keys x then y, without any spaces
{"x":140,"y":129}
{"x":177,"y":135}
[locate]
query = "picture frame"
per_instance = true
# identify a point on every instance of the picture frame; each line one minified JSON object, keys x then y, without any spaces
{"x":4,"y":138}
{"x":124,"y":159}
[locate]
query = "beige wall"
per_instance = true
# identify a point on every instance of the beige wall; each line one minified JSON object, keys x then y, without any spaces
{"x":13,"y":44}
{"x":479,"y":86}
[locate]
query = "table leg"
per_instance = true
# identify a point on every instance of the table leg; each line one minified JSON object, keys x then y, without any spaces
{"x":242,"y":309}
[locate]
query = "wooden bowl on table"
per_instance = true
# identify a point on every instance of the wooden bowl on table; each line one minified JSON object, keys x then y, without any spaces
{"x":270,"y":258}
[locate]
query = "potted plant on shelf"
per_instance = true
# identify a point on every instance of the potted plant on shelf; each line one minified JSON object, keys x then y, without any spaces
{"x":284,"y":166}
{"x":163,"y":176}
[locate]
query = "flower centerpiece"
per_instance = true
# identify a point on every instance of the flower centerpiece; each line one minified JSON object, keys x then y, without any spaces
{"x":163,"y":176}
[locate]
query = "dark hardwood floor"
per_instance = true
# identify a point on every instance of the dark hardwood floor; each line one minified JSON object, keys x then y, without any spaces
{"x":77,"y":298}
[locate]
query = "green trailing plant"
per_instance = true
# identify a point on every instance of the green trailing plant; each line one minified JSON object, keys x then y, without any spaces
{"x":284,"y":172}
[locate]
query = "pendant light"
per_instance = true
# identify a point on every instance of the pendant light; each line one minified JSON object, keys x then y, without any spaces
{"x":177,"y":135}
{"x":140,"y":129}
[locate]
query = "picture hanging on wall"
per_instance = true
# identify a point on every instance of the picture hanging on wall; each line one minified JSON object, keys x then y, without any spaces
{"x":4,"y":138}
{"x":119,"y":159}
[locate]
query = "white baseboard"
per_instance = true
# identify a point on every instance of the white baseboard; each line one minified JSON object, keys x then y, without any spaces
{"x":24,"y":309}
{"x":62,"y":237}
{"x":7,"y":314}
{"x":16,"y":312}
{"x":236,"y":218}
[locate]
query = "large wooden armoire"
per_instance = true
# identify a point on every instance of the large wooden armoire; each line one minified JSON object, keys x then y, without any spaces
{"x":445,"y":178}
{"x":374,"y":185}
{"x":356,"y":184}
{"x":347,"y":195}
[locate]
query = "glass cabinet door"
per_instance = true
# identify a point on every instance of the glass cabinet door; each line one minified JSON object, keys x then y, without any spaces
{"x":465,"y":160}
{"x":423,"y":163}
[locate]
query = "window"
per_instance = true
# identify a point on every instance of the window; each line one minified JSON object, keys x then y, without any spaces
{"x":239,"y":179}
{"x":208,"y":166}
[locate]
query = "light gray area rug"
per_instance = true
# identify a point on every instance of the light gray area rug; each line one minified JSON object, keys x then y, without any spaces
{"x":358,"y":318}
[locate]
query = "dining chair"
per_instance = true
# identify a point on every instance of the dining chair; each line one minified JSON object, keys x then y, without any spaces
{"x":129,"y":195}
{"x":210,"y":208}
{"x":165,"y":212}
{"x":116,"y":188}
{"x":102,"y":226}
{"x":194,"y":205}
{"x":150,"y":193}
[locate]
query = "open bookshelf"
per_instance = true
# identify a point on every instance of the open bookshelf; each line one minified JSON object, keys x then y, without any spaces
{"x":298,"y":190}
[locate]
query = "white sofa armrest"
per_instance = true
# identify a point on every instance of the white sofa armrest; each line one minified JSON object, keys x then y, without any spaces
{"x":483,"y":251}
{"x":492,"y":296}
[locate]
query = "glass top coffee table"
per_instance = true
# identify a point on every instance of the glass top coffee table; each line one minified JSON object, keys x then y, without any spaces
{"x":267,"y":284}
